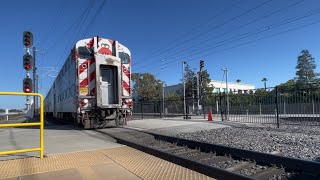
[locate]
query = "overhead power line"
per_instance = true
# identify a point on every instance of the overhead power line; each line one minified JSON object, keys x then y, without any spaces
{"x":246,"y":35}
{"x":216,"y":15}
{"x":65,"y":33}
{"x":232,"y":30}
{"x":89,"y":27}
{"x":212,"y":28}
{"x":53,"y":25}
{"x":248,"y":42}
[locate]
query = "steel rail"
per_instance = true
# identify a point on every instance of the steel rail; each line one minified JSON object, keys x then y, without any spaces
{"x":187,"y":163}
{"x":307,"y":166}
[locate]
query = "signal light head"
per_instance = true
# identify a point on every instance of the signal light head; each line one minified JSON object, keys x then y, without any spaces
{"x":201,"y":63}
{"x":27,"y":85}
{"x":27,"y":62}
{"x":27,"y":38}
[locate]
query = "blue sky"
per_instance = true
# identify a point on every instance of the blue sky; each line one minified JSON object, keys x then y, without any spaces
{"x":160,"y":34}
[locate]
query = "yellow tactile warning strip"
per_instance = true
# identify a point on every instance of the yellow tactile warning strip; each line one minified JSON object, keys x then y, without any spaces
{"x":18,"y":167}
{"x":147,"y":166}
{"x":141,"y":164}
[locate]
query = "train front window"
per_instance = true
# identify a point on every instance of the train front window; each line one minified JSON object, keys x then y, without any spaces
{"x":85,"y":53}
{"x":124,"y":57}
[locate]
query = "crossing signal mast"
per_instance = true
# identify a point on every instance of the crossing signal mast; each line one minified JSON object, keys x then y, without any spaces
{"x":201,"y":87}
{"x":201,"y":78}
{"x":27,"y":41}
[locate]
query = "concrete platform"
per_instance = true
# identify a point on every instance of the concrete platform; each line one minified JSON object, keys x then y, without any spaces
{"x":58,"y":139}
{"x":111,"y":163}
{"x":173,"y":127}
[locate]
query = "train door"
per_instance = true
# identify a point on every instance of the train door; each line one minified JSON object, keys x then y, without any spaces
{"x":109,"y":84}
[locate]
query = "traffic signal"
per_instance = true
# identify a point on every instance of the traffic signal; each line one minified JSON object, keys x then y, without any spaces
{"x":201,"y":77}
{"x":27,"y":62}
{"x":201,"y":64}
{"x":27,"y":85}
{"x":27,"y":38}
{"x":195,"y":84}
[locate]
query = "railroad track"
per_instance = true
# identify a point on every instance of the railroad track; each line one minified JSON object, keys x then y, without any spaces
{"x":216,"y":161}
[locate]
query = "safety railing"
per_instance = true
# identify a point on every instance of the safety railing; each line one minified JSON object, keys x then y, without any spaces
{"x":41,"y":124}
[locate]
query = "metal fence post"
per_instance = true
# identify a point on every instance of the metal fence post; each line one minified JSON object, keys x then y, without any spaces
{"x":160,"y":108}
{"x":277,"y":106}
{"x":260,"y":108}
{"x":204,"y":113}
{"x":142,"y":109}
{"x":312,"y":106}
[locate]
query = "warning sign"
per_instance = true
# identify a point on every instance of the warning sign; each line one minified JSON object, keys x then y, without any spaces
{"x":83,"y":91}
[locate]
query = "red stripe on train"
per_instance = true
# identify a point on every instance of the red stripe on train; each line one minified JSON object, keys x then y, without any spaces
{"x":126,"y":71}
{"x":90,"y":43}
{"x":105,"y":51}
{"x":126,"y":86}
{"x":93,"y":91}
{"x":84,"y":82}
{"x":92,"y":61}
{"x":92,"y":76}
{"x":83,"y":66}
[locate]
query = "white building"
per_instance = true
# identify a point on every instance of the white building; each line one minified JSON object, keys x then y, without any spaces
{"x":234,"y":87}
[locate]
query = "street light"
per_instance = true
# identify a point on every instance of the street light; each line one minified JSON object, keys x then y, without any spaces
{"x":163,"y":84}
{"x":225,"y":70}
{"x":184,"y":90}
{"x":264,"y":80}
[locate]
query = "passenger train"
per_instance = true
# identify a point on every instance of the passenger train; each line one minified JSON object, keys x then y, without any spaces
{"x":93,"y":86}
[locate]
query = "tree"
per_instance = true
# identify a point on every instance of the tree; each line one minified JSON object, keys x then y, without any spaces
{"x":206,"y":87}
{"x":146,"y":86}
{"x":287,"y":86}
{"x":189,"y":75}
{"x":305,"y":68}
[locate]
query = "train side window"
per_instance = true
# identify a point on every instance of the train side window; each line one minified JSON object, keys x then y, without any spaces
{"x":85,"y":53}
{"x":124,"y":57}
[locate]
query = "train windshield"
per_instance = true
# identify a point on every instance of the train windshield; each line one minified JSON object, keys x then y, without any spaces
{"x":124,"y":57}
{"x":85,"y":53}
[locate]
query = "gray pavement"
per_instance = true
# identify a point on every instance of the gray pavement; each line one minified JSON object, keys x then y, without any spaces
{"x":58,"y":139}
{"x":174,"y":127}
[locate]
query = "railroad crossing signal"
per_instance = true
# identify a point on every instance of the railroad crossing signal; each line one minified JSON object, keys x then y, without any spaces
{"x":27,"y":38}
{"x":27,"y":85}
{"x":201,"y":77}
{"x":27,"y":62}
{"x":201,"y":64}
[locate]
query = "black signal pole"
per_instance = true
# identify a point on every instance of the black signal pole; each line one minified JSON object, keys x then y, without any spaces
{"x":35,"y":80}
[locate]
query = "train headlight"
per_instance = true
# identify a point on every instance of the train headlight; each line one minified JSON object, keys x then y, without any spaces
{"x":85,"y":101}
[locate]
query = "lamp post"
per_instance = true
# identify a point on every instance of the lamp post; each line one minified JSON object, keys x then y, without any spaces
{"x":184,"y":90}
{"x":163,"y":110}
{"x":225,"y":70}
{"x":264,"y":80}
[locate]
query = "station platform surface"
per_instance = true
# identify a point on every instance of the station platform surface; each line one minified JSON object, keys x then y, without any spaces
{"x":58,"y":138}
{"x":108,"y":163}
{"x":172,"y":127}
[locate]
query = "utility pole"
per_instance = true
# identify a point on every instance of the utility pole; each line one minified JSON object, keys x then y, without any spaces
{"x":184,"y":90}
{"x":198,"y":92}
{"x":35,"y":84}
{"x":163,"y":99}
{"x":227,"y":90}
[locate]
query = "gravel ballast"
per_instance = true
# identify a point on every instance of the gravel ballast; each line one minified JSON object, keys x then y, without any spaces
{"x":292,"y":141}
